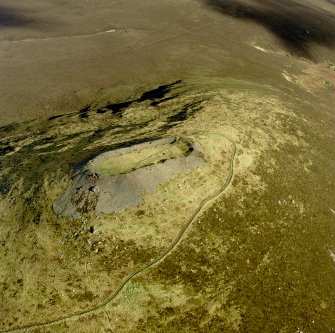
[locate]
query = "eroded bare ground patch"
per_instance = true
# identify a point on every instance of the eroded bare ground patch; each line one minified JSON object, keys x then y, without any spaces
{"x":257,"y":253}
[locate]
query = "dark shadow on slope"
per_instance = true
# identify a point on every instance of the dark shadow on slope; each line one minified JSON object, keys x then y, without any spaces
{"x":116,"y":108}
{"x":11,"y":17}
{"x":297,"y":25}
{"x":155,"y":97}
{"x":6,"y":129}
{"x":83,"y":113}
{"x":6,"y":149}
{"x":188,"y":110}
{"x":158,"y":93}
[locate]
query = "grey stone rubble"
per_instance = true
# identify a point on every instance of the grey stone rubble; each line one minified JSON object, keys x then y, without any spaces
{"x":91,"y":192}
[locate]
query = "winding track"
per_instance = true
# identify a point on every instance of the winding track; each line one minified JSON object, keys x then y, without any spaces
{"x":194,"y":216}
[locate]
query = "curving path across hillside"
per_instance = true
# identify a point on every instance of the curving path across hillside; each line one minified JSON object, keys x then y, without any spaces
{"x":175,"y":243}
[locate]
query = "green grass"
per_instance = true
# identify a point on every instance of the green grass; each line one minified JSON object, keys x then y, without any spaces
{"x":123,"y":163}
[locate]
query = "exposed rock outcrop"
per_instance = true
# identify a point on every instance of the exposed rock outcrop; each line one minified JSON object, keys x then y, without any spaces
{"x":101,"y":193}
